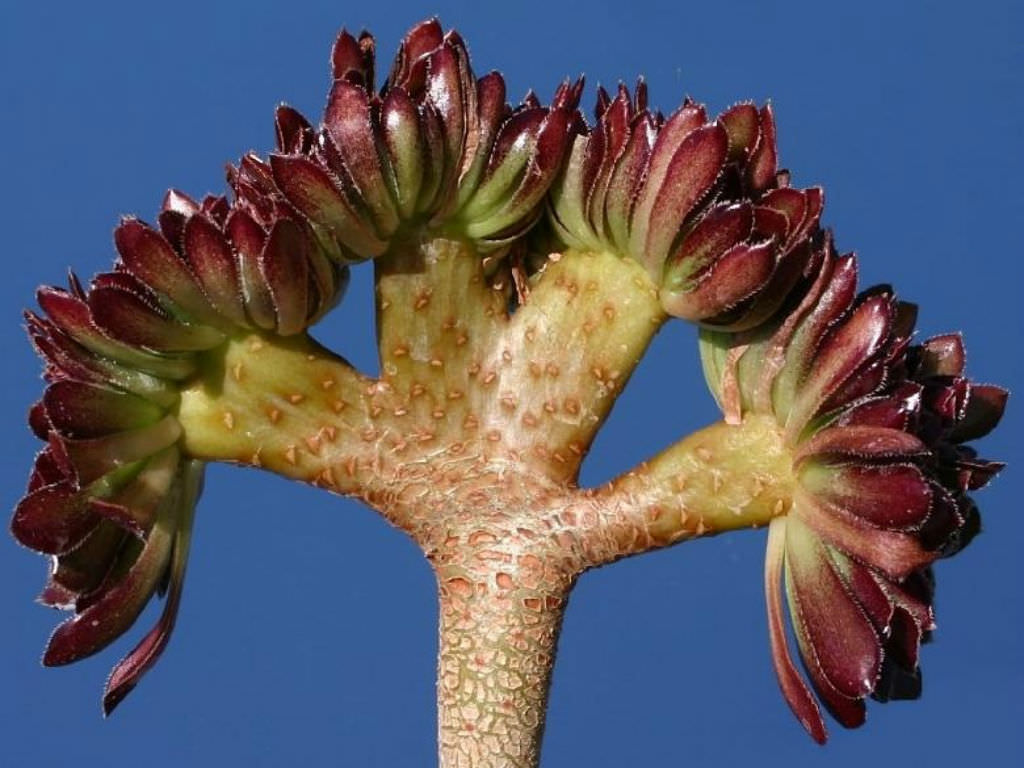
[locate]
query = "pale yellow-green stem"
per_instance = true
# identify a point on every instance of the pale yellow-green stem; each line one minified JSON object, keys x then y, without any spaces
{"x":566,"y":355}
{"x":470,"y":441}
{"x":534,"y":387}
{"x":437,"y":316}
{"x":288,"y":405}
{"x":720,"y":478}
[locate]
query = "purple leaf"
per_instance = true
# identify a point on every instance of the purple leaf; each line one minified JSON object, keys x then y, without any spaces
{"x":418,"y":42}
{"x":445,"y":94}
{"x":249,"y":240}
{"x":941,"y":356}
{"x":215,"y":266}
{"x":763,"y":161}
{"x":126,"y":675}
{"x":735,"y":276}
{"x":794,"y":689}
{"x":626,"y":180}
{"x":79,"y":410}
{"x":723,"y":227}
{"x":891,"y":496}
{"x":72,"y":315}
{"x":844,"y":443}
{"x":135,"y":506}
{"x":81,"y":570}
{"x":135,"y":318}
{"x":845,"y":352}
{"x":984,"y":409}
{"x":670,"y":138}
{"x":894,"y":553}
{"x":150,"y":258}
{"x":741,"y":124}
{"x":53,"y":519}
{"x":286,"y":270}
{"x":688,"y":176}
{"x":400,"y":128}
{"x":835,"y":636}
{"x":491,"y":113}
{"x":293,"y":131}
{"x":311,"y":190}
{"x":863,"y":586}
{"x":178,"y":202}
{"x":352,"y":60}
{"x":896,"y":410}
{"x":834,"y":301}
{"x":116,"y":609}
{"x":95,"y":457}
{"x":349,"y":122}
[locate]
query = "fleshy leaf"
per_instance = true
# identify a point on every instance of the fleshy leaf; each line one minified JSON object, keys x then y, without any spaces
{"x":126,"y":675}
{"x":984,"y":409}
{"x":150,"y":258}
{"x":134,"y":318}
{"x":53,"y":519}
{"x":315,"y":195}
{"x":893,"y":552}
{"x":793,"y":687}
{"x":116,"y":610}
{"x":286,"y":269}
{"x":688,"y":176}
{"x":92,"y":458}
{"x":834,"y":633}
{"x":215,"y":267}
{"x":79,"y":410}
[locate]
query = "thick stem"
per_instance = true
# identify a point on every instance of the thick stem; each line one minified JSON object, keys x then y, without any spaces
{"x":458,"y":377}
{"x":720,"y":478}
{"x":437,"y":316}
{"x":288,"y":405}
{"x":566,"y":355}
{"x":498,"y":632}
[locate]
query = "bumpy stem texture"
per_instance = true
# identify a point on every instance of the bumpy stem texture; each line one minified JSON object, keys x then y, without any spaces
{"x":501,"y":610}
{"x":494,"y":672}
{"x":470,"y":441}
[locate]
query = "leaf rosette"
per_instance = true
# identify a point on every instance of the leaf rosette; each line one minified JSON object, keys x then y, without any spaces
{"x":111,"y":496}
{"x":700,"y":203}
{"x":875,"y":426}
{"x":437,"y":150}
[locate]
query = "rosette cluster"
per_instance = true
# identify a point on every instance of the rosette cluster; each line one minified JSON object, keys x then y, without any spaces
{"x":110,"y":498}
{"x":701,"y":204}
{"x":876,"y":428}
{"x":436,"y":150}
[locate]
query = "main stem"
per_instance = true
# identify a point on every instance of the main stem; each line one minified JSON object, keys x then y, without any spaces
{"x":500,"y":619}
{"x":494,"y":672}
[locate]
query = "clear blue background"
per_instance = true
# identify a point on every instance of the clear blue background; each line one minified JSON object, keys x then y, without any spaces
{"x":307,"y":635}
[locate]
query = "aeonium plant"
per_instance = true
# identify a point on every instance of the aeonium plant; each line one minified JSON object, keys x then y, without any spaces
{"x":523,"y":258}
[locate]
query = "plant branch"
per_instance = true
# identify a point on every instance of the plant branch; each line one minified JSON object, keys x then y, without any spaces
{"x":717,"y":479}
{"x":288,"y":405}
{"x":437,"y":315}
{"x":566,"y":355}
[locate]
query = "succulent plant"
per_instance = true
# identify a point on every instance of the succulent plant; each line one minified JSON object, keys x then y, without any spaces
{"x":505,"y":336}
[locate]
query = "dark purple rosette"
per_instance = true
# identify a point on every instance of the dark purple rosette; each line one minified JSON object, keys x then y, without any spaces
{"x":436,"y":152}
{"x":700,"y":203}
{"x":876,"y":428}
{"x":111,"y":496}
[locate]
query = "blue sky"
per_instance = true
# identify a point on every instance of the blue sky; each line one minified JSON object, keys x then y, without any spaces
{"x":307,"y":633}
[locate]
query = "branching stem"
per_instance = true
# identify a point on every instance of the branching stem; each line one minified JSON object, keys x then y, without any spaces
{"x":471,"y":441}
